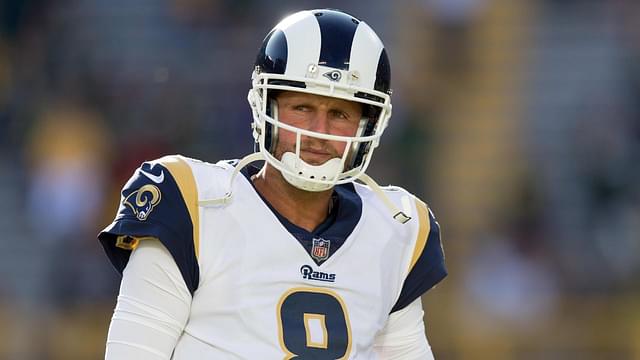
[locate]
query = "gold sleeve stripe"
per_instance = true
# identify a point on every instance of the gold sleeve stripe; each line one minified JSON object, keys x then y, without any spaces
{"x":424,"y":227}
{"x":183,"y":175}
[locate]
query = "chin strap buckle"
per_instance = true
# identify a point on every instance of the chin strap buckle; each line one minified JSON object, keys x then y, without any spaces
{"x":398,"y":215}
{"x":401,"y":217}
{"x":221,"y":201}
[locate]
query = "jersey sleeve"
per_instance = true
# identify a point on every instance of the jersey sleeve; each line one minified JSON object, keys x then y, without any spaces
{"x":427,"y":263}
{"x":159,"y":201}
{"x":403,"y":336}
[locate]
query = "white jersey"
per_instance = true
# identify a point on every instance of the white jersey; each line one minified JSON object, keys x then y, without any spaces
{"x":264,"y":288}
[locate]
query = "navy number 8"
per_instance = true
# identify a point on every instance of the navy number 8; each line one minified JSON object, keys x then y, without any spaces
{"x":313,"y":324}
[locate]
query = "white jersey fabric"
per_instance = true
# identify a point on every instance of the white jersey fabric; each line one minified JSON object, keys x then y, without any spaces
{"x":153,"y":310}
{"x":247,"y":288}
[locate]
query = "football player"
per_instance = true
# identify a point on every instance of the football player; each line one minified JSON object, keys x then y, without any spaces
{"x":301,"y":255}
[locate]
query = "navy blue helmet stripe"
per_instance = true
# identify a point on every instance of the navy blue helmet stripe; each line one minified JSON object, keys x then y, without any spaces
{"x":272,"y":57}
{"x":337,"y":37}
{"x":383,"y":73}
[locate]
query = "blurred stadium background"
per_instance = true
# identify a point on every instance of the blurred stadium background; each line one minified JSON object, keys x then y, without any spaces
{"x":517,"y":121}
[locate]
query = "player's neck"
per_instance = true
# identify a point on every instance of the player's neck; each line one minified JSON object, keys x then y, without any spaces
{"x":305,"y":209}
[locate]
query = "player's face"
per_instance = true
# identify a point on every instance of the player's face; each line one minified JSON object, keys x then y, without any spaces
{"x":319,"y":114}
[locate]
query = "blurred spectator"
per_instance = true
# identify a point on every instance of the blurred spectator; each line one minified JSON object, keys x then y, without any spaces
{"x":5,"y":84}
{"x":68,"y":151}
{"x":509,"y":286}
{"x":68,"y":156}
{"x":453,"y":22}
{"x":604,"y":147}
{"x":17,"y":15}
{"x":584,"y":144}
{"x":511,"y":277}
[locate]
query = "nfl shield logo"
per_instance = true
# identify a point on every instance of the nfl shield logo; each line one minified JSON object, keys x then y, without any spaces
{"x":320,"y":249}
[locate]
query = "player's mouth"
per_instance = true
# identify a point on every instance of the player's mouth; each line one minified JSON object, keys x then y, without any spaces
{"x":315,"y":156}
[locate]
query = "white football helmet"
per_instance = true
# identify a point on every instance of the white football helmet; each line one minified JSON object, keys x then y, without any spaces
{"x":328,"y":53}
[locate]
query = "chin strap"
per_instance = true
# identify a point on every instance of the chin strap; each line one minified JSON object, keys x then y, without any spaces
{"x":398,"y":215}
{"x":228,"y":197}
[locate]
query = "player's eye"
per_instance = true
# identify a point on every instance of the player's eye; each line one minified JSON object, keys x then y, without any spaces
{"x":340,"y":115}
{"x":304,"y":108}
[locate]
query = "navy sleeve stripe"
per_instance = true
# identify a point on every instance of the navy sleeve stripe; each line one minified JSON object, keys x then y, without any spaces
{"x":423,"y":231}
{"x":183,"y":176}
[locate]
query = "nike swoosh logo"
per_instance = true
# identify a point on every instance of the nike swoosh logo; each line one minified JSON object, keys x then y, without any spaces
{"x":155,"y":178}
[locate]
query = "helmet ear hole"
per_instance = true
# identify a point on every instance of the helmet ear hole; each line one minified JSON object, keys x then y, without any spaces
{"x":360,"y":150}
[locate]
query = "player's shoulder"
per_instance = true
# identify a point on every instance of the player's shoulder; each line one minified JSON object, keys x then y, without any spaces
{"x":182,"y":165}
{"x":424,"y":251}
{"x":403,"y":199}
{"x":393,"y":192}
{"x":204,"y":179}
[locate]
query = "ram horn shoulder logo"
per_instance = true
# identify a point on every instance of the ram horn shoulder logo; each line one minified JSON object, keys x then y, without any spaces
{"x":333,"y":75}
{"x":143,"y":200}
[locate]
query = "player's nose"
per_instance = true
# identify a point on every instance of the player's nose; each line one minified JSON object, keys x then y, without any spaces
{"x":320,"y":122}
